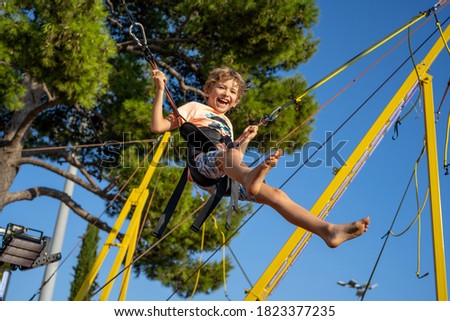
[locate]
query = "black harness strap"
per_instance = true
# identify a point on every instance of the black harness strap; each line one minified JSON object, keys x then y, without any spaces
{"x":222,"y":187}
{"x":171,"y":205}
{"x":199,"y":142}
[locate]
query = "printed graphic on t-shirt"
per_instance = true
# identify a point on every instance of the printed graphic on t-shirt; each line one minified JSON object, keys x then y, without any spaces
{"x":205,"y":116}
{"x":219,"y":124}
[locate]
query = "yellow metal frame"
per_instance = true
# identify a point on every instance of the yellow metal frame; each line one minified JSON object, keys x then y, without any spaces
{"x":134,"y":205}
{"x":298,"y":240}
{"x":435,"y":195}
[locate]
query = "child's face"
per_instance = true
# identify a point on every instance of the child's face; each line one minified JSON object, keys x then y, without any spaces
{"x":223,"y":96}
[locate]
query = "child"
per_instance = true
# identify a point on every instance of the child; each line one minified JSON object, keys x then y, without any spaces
{"x":223,"y":91}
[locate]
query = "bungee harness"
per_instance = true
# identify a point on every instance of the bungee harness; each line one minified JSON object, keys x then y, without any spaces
{"x":200,"y":142}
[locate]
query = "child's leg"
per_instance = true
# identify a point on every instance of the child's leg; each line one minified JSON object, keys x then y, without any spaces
{"x":332,"y":234}
{"x":251,"y":178}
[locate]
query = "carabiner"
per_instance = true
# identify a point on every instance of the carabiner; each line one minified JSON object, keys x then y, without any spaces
{"x":275,"y":113}
{"x":141,"y":27}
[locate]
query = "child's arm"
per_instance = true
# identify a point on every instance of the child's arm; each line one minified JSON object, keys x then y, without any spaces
{"x":159,"y":123}
{"x":248,"y":134}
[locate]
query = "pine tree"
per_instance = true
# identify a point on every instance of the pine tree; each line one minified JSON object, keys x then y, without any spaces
{"x":86,"y":258}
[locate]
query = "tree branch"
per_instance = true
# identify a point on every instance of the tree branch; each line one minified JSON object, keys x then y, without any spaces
{"x":131,"y":47}
{"x":22,"y":119}
{"x":75,"y":162}
{"x":115,"y":22}
{"x":32,"y":193}
{"x":37,"y":162}
{"x":180,"y":79}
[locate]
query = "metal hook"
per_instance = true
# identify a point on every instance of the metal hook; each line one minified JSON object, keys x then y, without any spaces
{"x":141,"y":27}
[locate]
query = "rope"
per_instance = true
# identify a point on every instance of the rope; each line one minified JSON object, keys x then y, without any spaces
{"x":200,"y":261}
{"x":240,"y":266}
{"x":34,"y":149}
{"x":446,"y":164}
{"x":419,"y":207}
{"x":438,"y":25}
{"x":386,"y":236}
{"x":224,"y":266}
{"x":443,"y":98}
{"x":400,"y":119}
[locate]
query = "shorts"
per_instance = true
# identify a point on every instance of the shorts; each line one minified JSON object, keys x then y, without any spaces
{"x":206,"y":165}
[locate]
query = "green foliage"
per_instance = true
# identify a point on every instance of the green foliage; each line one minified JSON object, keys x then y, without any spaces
{"x":126,"y":106}
{"x":271,"y":93}
{"x":271,"y":35}
{"x":11,"y":90}
{"x":63,"y":44}
{"x":86,"y":259}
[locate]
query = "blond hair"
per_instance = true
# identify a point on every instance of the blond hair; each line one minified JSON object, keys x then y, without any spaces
{"x":224,"y":73}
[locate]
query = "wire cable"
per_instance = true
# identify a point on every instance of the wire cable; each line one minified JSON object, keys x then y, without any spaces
{"x":390,"y":233}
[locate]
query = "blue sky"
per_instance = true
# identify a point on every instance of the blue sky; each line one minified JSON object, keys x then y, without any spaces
{"x":345,"y":28}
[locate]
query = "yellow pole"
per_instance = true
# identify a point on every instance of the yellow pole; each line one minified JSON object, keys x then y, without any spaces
{"x":435,"y":191}
{"x":127,"y":246}
{"x":81,"y":295}
{"x":134,"y":232}
{"x":134,"y":200}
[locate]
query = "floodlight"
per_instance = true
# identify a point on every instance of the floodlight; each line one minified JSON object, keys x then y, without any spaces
{"x":25,"y":248}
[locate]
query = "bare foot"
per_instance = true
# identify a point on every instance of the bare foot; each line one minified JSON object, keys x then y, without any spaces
{"x":339,"y":233}
{"x":253,"y":179}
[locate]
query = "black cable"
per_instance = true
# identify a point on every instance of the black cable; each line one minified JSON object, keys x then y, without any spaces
{"x":240,"y":266}
{"x":386,"y":236}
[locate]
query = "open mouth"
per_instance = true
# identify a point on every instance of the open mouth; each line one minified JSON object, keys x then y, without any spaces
{"x":222,"y":102}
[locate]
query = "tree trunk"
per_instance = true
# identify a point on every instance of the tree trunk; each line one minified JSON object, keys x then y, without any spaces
{"x":8,"y":171}
{"x":11,"y":154}
{"x":15,"y":130}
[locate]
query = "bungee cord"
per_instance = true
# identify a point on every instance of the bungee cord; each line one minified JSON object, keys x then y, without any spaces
{"x":413,"y":176}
